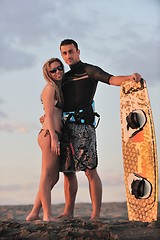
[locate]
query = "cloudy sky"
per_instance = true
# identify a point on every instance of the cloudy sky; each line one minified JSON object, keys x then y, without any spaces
{"x":121,"y":36}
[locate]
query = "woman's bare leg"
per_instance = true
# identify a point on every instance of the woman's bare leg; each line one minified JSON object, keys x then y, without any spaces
{"x":34,"y":214}
{"x":49,"y":177}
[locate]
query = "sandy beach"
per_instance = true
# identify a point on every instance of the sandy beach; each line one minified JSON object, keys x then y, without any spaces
{"x":113,"y":224}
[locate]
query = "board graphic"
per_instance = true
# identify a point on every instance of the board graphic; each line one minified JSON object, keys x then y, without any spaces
{"x":139,"y":152}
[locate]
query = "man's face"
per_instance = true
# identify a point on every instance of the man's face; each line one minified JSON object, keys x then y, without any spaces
{"x":70,"y":54}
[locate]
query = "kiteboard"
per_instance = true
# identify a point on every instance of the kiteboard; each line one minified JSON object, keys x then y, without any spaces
{"x":139,"y":152}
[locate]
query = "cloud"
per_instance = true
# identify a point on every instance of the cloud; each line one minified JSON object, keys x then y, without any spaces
{"x":25,"y":27}
{"x":10,"y":127}
{"x":133,"y":58}
{"x":11,"y":187}
{"x":113,"y":179}
{"x":135,"y":53}
{"x":2,"y":101}
{"x":3,"y":115}
{"x":113,"y":33}
{"x":12,"y":58}
{"x":23,"y":23}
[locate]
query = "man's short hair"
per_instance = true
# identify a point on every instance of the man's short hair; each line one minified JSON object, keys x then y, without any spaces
{"x":68,"y":42}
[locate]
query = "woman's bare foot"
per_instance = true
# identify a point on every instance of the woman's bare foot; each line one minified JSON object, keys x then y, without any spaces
{"x":32,"y":217}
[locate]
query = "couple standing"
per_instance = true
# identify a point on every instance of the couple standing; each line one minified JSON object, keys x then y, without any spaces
{"x":68,"y":138}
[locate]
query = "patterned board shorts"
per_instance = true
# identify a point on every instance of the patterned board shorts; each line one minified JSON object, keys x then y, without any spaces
{"x":78,"y":148}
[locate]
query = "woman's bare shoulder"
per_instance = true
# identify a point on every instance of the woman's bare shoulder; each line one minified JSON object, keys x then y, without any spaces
{"x":49,"y":89}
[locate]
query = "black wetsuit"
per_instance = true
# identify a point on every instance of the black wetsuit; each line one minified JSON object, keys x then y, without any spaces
{"x":79,"y":85}
{"x":78,"y":142}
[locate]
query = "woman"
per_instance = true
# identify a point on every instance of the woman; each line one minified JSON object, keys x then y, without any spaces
{"x":49,"y":137}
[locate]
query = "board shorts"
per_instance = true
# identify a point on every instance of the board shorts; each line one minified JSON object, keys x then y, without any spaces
{"x":78,"y":148}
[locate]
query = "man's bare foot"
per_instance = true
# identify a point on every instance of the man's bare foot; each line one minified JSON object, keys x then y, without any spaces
{"x":32,"y":217}
{"x":64,"y":216}
{"x":50,"y":219}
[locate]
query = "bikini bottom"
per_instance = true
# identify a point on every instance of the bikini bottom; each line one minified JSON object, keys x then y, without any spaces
{"x":46,"y":132}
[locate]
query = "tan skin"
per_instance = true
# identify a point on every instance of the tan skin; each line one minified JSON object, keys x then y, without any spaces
{"x":71,"y":56}
{"x":50,"y":148}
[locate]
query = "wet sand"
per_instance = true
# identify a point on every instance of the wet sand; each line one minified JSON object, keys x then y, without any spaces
{"x":113,"y":224}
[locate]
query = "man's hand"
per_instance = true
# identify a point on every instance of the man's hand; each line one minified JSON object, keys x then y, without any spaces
{"x":136,"y":77}
{"x":41,"y":119}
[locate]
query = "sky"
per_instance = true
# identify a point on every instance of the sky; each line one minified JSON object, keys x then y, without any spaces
{"x":120,"y":36}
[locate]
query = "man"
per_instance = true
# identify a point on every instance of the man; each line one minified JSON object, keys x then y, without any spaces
{"x":78,"y":144}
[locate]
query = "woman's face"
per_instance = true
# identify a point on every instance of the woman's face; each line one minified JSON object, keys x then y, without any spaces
{"x":56,"y":70}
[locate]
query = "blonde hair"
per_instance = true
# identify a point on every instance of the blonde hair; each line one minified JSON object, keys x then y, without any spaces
{"x":48,"y":77}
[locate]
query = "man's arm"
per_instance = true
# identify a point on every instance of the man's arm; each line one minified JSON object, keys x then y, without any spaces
{"x":117,"y":80}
